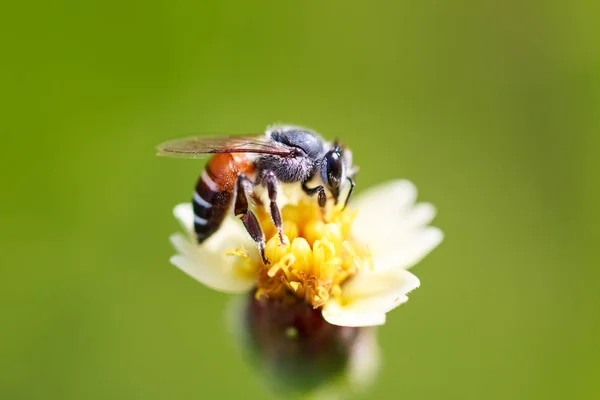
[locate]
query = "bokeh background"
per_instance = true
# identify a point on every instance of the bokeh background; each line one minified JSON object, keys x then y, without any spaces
{"x":489,"y":107}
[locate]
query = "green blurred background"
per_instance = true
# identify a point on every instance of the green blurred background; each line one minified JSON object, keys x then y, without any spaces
{"x":489,"y":107}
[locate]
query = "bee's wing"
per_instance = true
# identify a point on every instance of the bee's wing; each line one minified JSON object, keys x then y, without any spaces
{"x":203,"y":146}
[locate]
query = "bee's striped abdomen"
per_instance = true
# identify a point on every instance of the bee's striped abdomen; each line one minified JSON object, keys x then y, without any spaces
{"x":214,"y":192}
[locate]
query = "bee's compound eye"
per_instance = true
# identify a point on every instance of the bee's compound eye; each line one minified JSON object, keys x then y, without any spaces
{"x":333,"y":169}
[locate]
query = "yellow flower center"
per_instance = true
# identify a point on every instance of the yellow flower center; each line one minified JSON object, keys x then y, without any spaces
{"x":318,"y":256}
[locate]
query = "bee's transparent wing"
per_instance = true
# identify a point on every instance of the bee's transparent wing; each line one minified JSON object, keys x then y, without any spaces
{"x":203,"y":146}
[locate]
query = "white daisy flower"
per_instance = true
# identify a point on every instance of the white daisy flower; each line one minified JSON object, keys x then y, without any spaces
{"x":351,"y":263}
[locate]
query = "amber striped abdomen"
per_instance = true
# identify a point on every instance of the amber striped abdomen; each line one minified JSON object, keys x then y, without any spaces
{"x":215,"y":190}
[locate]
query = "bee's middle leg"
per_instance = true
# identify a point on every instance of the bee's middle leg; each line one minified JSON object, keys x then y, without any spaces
{"x":245,"y":186}
{"x":270,"y":181}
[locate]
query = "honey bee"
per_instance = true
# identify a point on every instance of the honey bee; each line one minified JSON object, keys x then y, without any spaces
{"x":239,"y":164}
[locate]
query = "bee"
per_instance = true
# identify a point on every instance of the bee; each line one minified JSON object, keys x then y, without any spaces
{"x":239,"y":164}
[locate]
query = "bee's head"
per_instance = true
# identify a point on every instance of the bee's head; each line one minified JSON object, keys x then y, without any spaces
{"x":334,"y":169}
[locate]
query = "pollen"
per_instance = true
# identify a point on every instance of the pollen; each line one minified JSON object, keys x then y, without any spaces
{"x":317,"y":256}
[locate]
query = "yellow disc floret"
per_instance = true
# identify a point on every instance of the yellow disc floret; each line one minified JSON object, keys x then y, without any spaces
{"x":318,"y":254}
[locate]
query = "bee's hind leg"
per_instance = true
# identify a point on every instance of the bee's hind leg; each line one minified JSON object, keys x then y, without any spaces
{"x":245,"y":186}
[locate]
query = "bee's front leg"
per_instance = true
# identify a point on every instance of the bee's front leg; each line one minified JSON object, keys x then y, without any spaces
{"x":351,"y":182}
{"x":322,"y":196}
{"x":245,"y":186}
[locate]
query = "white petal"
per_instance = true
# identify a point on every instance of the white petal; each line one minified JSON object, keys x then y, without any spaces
{"x":418,"y":216}
{"x":387,"y":222}
{"x":183,"y":244}
{"x":335,"y":314}
{"x":408,"y":252}
{"x":380,"y":285}
{"x":399,"y":300}
{"x":208,"y":263}
{"x":185,"y":215}
{"x":368,"y":296}
{"x":214,"y":269}
{"x":402,"y":193}
{"x":393,"y":227}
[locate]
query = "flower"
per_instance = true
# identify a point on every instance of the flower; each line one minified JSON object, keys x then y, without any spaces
{"x":351,"y":263}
